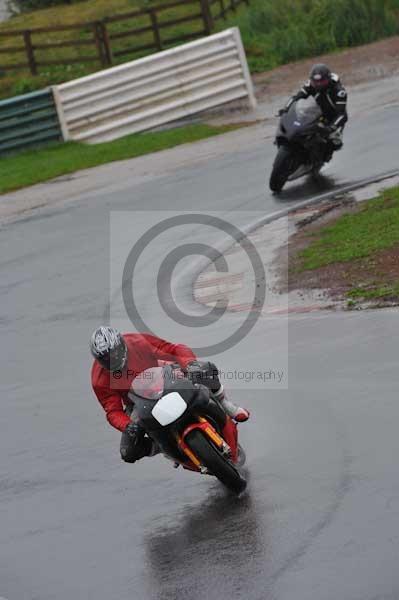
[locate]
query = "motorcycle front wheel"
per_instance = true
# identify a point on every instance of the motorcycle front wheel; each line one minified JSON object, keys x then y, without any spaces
{"x":213,"y":459}
{"x":282,"y":168}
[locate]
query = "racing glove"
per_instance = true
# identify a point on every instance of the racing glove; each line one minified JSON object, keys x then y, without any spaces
{"x":197,"y":371}
{"x":140,"y":444}
{"x":135,"y":431}
{"x":204,"y":372}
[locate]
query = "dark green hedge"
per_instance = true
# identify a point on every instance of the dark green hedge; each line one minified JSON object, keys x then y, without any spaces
{"x":279,"y":31}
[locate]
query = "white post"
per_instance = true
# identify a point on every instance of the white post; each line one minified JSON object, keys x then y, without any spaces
{"x":245,"y":69}
{"x":61,"y":115}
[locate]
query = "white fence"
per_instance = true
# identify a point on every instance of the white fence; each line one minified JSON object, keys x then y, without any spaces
{"x":155,"y":90}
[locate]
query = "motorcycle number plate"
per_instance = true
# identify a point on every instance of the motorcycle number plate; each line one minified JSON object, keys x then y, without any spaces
{"x":169,"y":408}
{"x":297,"y":123}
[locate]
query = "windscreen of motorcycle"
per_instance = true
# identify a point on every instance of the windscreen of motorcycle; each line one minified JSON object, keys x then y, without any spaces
{"x":307,"y":110}
{"x":149,"y":384}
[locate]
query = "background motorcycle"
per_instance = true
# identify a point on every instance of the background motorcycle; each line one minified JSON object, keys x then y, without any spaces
{"x":188,"y":425}
{"x":302,"y":143}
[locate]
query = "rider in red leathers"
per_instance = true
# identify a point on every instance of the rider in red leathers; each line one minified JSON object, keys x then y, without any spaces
{"x":120,"y":358}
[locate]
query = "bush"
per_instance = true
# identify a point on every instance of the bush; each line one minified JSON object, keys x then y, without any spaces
{"x":287,"y":30}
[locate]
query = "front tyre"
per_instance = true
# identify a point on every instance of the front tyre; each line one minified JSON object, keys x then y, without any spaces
{"x":281,"y":169}
{"x":213,"y":459}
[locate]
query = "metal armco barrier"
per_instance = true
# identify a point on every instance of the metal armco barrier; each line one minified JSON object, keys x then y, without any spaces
{"x":155,"y":90}
{"x":27,"y":121}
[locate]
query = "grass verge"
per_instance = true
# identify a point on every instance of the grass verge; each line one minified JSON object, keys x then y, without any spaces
{"x":374,"y":227}
{"x":358,"y":253}
{"x":376,"y":293}
{"x":36,"y":166}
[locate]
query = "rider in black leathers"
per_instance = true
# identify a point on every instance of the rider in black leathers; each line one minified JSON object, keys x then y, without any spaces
{"x":332,"y":98}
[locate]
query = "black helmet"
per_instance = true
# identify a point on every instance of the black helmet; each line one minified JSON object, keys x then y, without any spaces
{"x":109,"y":348}
{"x":320,"y":76}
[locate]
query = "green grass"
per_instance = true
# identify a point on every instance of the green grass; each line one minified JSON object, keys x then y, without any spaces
{"x":380,"y":292}
{"x":354,"y":236}
{"x":357,"y":239}
{"x":36,"y":166}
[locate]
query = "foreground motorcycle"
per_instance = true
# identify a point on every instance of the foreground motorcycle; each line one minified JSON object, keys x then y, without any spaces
{"x":302,"y":143}
{"x":190,"y":428}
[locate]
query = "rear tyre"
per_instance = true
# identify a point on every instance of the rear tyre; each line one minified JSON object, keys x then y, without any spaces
{"x":281,"y":169}
{"x":212,"y":459}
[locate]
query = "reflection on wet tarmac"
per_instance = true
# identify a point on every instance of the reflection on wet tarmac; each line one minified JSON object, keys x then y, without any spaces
{"x":212,"y":551}
{"x":305,"y":188}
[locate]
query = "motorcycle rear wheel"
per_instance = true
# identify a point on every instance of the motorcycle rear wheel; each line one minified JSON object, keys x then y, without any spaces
{"x":212,"y":459}
{"x":281,"y":169}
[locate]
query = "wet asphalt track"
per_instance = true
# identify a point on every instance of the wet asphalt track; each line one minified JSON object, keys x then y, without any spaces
{"x":320,"y":519}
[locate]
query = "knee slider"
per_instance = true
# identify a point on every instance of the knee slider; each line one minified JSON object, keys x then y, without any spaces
{"x":127,"y":457}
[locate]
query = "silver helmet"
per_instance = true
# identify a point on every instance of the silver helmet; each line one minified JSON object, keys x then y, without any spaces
{"x":109,"y":348}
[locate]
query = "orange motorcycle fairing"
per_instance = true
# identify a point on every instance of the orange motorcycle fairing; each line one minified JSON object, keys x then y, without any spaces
{"x":209,"y":431}
{"x":230,"y":436}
